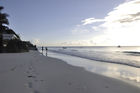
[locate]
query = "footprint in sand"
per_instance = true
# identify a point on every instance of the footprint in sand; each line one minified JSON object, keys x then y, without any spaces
{"x":30,"y":76}
{"x":42,"y":80}
{"x":27,"y":72}
{"x":30,"y":84}
{"x":35,"y":91}
{"x":14,"y":68}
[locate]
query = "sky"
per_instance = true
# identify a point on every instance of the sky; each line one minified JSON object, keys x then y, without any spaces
{"x":75,"y":22}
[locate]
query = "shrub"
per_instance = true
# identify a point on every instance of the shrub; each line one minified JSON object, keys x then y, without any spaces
{"x":15,"y":46}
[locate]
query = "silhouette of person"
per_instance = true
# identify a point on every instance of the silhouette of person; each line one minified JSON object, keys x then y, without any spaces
{"x":46,"y":50}
{"x":42,"y":49}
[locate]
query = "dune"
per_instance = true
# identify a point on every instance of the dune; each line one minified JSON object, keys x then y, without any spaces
{"x":32,"y":72}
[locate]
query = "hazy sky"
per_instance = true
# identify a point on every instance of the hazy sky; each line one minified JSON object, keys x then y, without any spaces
{"x":75,"y":22}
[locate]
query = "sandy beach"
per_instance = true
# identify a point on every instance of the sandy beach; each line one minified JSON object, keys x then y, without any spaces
{"x":34,"y":73}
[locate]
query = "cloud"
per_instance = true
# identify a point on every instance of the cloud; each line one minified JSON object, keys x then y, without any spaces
{"x":91,"y":21}
{"x":120,"y":26}
{"x":130,"y":18}
{"x":126,"y":12}
{"x":79,"y":29}
{"x":128,"y":0}
{"x":137,"y":2}
{"x":36,"y":41}
{"x":78,"y":43}
{"x":135,"y":15}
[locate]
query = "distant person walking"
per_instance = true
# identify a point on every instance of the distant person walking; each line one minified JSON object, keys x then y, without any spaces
{"x":42,"y":49}
{"x":46,"y":50}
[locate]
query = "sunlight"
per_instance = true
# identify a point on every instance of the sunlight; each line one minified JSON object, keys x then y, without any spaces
{"x":121,"y":26}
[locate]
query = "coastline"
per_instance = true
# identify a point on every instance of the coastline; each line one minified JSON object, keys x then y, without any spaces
{"x":33,"y":72}
{"x":121,"y":72}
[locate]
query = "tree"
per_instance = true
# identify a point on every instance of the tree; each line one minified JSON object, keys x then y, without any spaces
{"x":3,"y":17}
{"x":3,"y":21}
{"x":14,"y":44}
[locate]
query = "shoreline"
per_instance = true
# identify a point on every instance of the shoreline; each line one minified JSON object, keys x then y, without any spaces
{"x":121,"y":72}
{"x":33,"y":72}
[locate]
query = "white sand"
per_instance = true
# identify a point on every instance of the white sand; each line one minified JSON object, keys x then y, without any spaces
{"x":34,"y":73}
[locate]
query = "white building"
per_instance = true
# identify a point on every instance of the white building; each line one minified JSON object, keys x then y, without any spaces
{"x":9,"y":36}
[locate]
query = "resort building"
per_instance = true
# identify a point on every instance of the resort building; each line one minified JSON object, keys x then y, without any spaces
{"x":8,"y":35}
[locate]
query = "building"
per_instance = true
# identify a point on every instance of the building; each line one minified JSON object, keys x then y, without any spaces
{"x":9,"y":36}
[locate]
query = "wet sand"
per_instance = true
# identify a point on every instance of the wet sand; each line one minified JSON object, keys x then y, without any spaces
{"x":34,"y":73}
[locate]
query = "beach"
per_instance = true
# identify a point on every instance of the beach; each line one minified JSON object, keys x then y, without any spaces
{"x":31,"y":72}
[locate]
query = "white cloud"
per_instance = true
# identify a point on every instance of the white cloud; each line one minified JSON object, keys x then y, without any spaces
{"x":36,"y":41}
{"x":91,"y":21}
{"x":128,"y":0}
{"x":79,"y":29}
{"x":126,"y":12}
{"x":77,"y":43}
{"x":120,"y":26}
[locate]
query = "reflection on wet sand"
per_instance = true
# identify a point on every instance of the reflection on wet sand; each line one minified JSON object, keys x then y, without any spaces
{"x":123,"y":72}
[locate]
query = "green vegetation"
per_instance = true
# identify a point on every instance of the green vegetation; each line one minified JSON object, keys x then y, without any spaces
{"x":10,"y":42}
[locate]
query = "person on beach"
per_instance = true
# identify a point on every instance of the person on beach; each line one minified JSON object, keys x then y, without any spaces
{"x":46,"y":50}
{"x":42,"y":49}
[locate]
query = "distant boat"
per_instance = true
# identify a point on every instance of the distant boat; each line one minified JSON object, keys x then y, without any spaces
{"x":118,"y":46}
{"x":64,"y":47}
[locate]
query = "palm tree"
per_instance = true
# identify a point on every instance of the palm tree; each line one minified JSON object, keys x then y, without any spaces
{"x":3,"y":17}
{"x":3,"y":21}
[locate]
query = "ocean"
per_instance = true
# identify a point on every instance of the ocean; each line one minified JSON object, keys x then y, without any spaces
{"x":117,"y":62}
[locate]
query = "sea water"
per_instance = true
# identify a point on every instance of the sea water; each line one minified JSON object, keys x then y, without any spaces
{"x":116,"y":62}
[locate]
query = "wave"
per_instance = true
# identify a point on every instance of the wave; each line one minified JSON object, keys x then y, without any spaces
{"x":134,"y":53}
{"x":100,"y":56}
